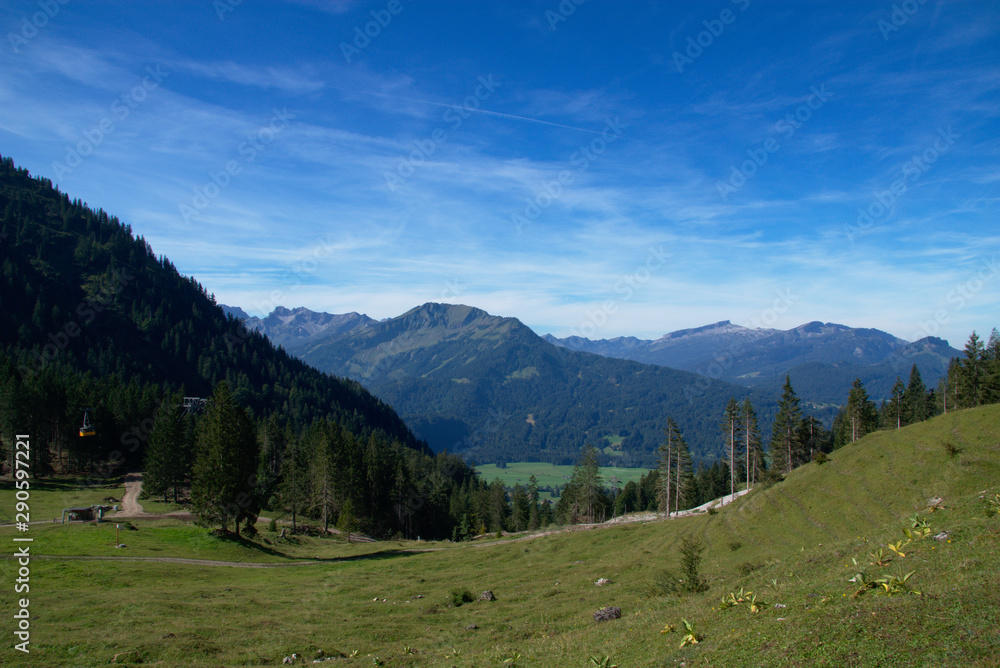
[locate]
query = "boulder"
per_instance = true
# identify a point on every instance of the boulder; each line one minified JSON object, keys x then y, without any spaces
{"x":604,"y":614}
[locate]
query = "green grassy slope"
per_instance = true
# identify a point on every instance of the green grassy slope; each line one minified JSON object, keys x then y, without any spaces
{"x":791,"y":544}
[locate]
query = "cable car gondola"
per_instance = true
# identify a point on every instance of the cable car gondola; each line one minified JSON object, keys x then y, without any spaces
{"x":87,"y":429}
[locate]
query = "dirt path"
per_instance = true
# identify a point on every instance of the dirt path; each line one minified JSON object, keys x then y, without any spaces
{"x":130,"y":502}
{"x":132,"y":508}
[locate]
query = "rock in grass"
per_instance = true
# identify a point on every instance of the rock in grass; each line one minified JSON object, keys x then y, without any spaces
{"x":487,"y":596}
{"x":604,"y":614}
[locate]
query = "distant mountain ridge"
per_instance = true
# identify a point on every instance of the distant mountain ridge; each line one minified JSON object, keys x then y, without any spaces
{"x":489,"y":387}
{"x":762,"y":357}
{"x":284,"y":325}
{"x":821,"y":358}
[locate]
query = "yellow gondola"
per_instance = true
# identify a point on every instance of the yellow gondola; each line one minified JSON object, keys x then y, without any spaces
{"x":87,"y":429}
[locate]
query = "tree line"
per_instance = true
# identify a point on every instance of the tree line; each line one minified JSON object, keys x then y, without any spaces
{"x":795,"y":439}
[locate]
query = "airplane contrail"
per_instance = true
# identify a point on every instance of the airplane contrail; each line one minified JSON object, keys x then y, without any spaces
{"x":471,"y":109}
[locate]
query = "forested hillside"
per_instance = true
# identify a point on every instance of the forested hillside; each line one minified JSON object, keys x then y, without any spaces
{"x":94,"y":326}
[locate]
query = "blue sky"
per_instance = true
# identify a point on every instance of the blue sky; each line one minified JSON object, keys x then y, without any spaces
{"x":588,"y":167}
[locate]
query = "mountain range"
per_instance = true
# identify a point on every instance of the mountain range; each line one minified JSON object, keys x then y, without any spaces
{"x":821,"y":358}
{"x":492,"y":389}
{"x":488,"y":386}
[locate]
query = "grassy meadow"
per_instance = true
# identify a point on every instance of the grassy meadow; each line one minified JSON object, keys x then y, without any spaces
{"x":550,"y":475}
{"x":795,"y":545}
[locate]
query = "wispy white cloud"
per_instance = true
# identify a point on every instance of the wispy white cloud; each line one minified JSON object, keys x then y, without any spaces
{"x":285,"y":79}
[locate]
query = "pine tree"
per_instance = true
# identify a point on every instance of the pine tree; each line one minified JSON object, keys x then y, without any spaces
{"x":347,"y":521}
{"x":165,"y":450}
{"x":915,"y":407}
{"x":293,"y":491}
{"x":752,"y":453}
{"x":223,"y":485}
{"x":683,"y":487}
{"x":667,"y":462}
{"x":991,"y":364}
{"x":583,"y":494}
{"x":323,"y":499}
{"x":498,"y":508}
{"x":628,"y":500}
{"x":895,"y":408}
{"x":731,"y":429}
{"x":861,"y":414}
{"x":275,"y":439}
{"x":519,"y":508}
{"x":534,"y":519}
{"x":785,"y":446}
{"x":971,"y":373}
{"x":812,"y":436}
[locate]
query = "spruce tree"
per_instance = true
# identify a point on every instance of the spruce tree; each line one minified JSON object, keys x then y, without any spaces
{"x":165,"y":450}
{"x":731,"y":430}
{"x":991,"y":364}
{"x":667,"y":460}
{"x":812,"y":436}
{"x":861,"y":415}
{"x":785,"y":446}
{"x":915,"y":407}
{"x":534,"y":519}
{"x":895,"y":409}
{"x":224,"y":481}
{"x":752,"y":453}
{"x":683,"y":486}
{"x":586,"y":483}
{"x":971,"y":373}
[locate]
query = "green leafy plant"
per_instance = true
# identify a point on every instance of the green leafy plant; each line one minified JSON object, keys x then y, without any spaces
{"x":863,"y":582}
{"x":880,"y":557}
{"x":511,"y":659}
{"x":919,"y":528}
{"x":668,"y":628}
{"x":916,"y":534}
{"x":691,"y":637}
{"x":995,"y":503}
{"x":897,"y":548}
{"x":602,"y":662}
{"x":896,"y":584}
{"x":733,"y":599}
{"x":755,"y":605}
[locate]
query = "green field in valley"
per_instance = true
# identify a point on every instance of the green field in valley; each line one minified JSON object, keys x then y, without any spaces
{"x":551,"y":475}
